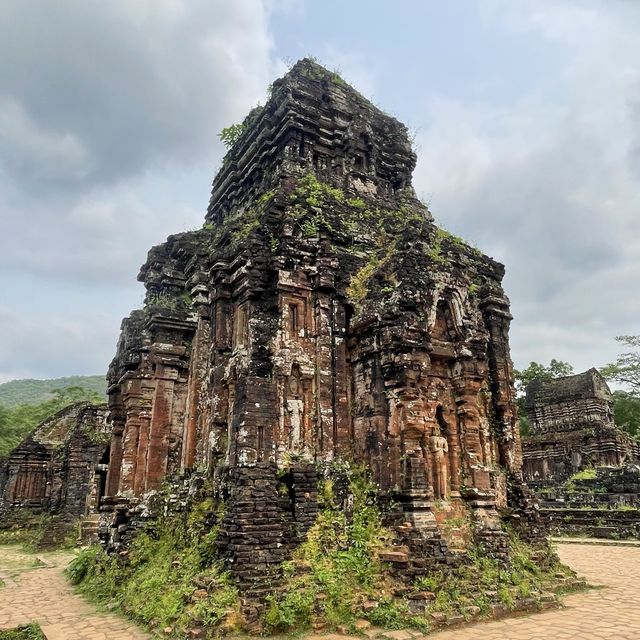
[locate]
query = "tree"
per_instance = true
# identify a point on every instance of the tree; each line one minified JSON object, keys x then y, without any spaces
{"x":626,"y":412}
{"x":626,"y":369}
{"x":536,"y":371}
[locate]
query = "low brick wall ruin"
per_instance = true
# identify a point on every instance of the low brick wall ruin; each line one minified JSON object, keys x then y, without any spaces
{"x":613,"y":524}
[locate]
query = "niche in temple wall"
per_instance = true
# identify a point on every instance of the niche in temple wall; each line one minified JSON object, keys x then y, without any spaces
{"x":228,"y":408}
{"x":241,"y":327}
{"x":446,"y":316}
{"x":440,"y":450}
{"x":296,"y":425}
{"x":222,"y":314}
{"x":295,"y":319}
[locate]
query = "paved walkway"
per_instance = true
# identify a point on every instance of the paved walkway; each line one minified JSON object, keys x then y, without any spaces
{"x":611,"y":613}
{"x":38,"y":592}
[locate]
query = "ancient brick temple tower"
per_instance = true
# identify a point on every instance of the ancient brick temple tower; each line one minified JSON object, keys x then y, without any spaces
{"x":319,"y":315}
{"x":572,"y":428}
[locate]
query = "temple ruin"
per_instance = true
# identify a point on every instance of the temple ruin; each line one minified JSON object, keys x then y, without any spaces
{"x":318,"y":318}
{"x":582,"y":466}
{"x":572,"y":428}
{"x":59,"y":470}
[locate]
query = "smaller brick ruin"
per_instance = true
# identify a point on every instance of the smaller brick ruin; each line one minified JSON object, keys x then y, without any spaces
{"x":582,"y":466}
{"x":60,"y":468}
{"x":572,"y":428}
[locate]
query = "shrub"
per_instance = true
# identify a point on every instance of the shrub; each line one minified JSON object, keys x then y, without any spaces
{"x":337,"y":568}
{"x":154,"y":583}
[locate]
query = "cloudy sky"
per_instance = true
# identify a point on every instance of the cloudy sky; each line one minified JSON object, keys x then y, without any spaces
{"x":526,"y":115}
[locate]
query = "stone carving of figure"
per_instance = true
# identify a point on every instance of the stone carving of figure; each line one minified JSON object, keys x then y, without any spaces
{"x":439,"y":449}
{"x":295,"y":409}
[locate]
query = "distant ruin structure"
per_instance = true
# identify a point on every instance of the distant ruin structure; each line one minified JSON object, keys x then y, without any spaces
{"x":572,"y":428}
{"x":60,"y":468}
{"x":318,"y":318}
{"x":583,"y":467}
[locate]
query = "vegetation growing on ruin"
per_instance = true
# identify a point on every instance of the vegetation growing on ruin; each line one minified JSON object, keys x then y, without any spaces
{"x":358,"y":288}
{"x":476,"y":586}
{"x":168,"y":579}
{"x":319,"y":206}
{"x":236,"y":229}
{"x":336,"y":576}
{"x":316,"y":71}
{"x":382,"y":233}
{"x":336,"y":571}
{"x":231,"y":134}
{"x":168,"y":301}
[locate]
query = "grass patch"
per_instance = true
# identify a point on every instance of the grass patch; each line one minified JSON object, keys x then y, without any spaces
{"x":14,"y":561}
{"x":28,"y":528}
{"x":586,"y":474}
{"x":25,"y":632}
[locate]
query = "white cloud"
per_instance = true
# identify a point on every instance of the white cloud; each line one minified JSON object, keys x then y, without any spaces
{"x":65,"y":345}
{"x":49,"y":154}
{"x":125,"y":85}
{"x":548,"y":184}
{"x":109,"y":115}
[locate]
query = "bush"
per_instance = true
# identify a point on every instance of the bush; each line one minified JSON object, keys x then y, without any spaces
{"x":337,"y":568}
{"x":155,"y":582}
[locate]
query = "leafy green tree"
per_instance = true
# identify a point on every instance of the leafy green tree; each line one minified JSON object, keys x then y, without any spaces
{"x":536,"y":371}
{"x":626,"y":412}
{"x":626,"y":369}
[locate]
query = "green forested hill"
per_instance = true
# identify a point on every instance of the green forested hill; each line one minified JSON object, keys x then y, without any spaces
{"x":24,"y":404}
{"x":30,"y":391}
